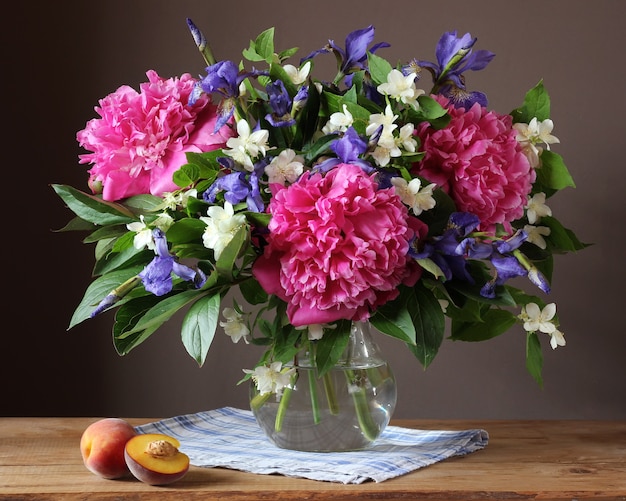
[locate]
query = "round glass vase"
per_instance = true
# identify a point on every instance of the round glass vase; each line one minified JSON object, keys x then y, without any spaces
{"x":344,"y":410}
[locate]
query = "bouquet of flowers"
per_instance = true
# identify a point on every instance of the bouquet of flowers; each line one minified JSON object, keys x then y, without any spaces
{"x":323,"y":202}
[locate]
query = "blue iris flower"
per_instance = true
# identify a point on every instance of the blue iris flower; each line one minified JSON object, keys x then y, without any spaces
{"x":354,"y":57}
{"x":506,"y":266}
{"x":348,"y":148}
{"x":455,"y":56}
{"x":157,"y":275}
{"x":224,"y":79}
{"x":449,"y":250}
{"x":281,"y":105}
{"x":239,"y":186}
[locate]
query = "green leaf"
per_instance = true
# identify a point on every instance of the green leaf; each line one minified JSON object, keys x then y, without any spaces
{"x":126,"y":318}
{"x":329,"y":349}
{"x":503,"y":298}
{"x":495,"y":322}
{"x":163,"y":310}
{"x":428,"y":319}
{"x":395,"y":321}
{"x":534,"y":357}
{"x":186,"y":230}
{"x":199,"y":325}
{"x":228,"y":256}
{"x":97,"y":291}
{"x":307,"y":120}
{"x":252,"y":292}
{"x":429,"y":110}
{"x":430,"y":266}
{"x":92,"y":208}
{"x":262,"y":49}
{"x":415,"y":317}
{"x":105,"y":232}
{"x":560,"y":238}
{"x":78,"y":224}
{"x":144,"y":203}
{"x":536,"y":105}
{"x":553,"y":173}
{"x":124,"y":259}
{"x":379,"y":68}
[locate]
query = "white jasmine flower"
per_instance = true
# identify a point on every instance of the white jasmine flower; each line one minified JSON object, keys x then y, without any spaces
{"x":222,"y":224}
{"x":163,"y":221}
{"x":286,"y":167}
{"x":271,"y":379}
{"x":386,"y":121}
{"x":406,"y":139}
{"x":298,"y":76}
{"x":235,"y":326}
{"x":536,"y":234}
{"x":143,"y":237}
{"x":536,"y":319}
{"x":536,"y":132}
{"x":536,"y":208}
{"x":315,"y":332}
{"x":383,"y":155}
{"x":178,"y":198}
{"x":247,"y":145}
{"x":401,"y":88}
{"x":413,"y":195}
{"x":338,"y":121}
{"x":532,"y":134}
{"x":557,"y":338}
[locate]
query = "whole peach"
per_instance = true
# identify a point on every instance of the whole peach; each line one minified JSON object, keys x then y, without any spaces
{"x":102,"y":447}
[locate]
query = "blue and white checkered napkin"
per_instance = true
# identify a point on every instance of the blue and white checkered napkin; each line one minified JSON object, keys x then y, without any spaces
{"x":231,"y":438}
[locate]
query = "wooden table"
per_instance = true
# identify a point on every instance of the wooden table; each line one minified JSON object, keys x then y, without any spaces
{"x":542,"y":460}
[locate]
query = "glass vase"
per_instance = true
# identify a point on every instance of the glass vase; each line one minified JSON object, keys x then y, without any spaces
{"x":346,"y":409}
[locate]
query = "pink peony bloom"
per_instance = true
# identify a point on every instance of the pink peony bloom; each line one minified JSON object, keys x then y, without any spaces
{"x":479,"y":163}
{"x":142,"y":137}
{"x":337,"y":246}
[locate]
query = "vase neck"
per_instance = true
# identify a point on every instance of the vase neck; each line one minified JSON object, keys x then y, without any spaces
{"x":362,"y":350}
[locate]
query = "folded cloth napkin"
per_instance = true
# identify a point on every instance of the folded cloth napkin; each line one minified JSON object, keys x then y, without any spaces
{"x":231,"y":438}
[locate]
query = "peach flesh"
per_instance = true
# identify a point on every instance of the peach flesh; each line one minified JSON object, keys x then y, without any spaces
{"x":102,"y":447}
{"x":155,"y":459}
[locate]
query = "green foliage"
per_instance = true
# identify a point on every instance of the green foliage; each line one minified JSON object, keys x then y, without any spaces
{"x":416,"y":317}
{"x":536,"y":105}
{"x":199,"y":326}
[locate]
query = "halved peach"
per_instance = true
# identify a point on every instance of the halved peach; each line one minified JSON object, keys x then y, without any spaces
{"x":154,"y":458}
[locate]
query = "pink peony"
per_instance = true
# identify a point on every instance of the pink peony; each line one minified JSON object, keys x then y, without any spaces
{"x":479,"y":163}
{"x":142,"y":138}
{"x":337,"y":246}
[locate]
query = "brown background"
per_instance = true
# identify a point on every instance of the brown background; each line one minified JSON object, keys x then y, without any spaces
{"x":59,"y":58}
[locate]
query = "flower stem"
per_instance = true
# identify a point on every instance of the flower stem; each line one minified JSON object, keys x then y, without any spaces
{"x":284,"y":403}
{"x":315,"y":407}
{"x":367,"y":425}
{"x":331,"y":396}
{"x":258,"y":400}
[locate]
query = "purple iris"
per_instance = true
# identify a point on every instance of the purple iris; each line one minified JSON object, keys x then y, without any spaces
{"x":237,"y":187}
{"x":454,"y":57}
{"x":348,"y":148}
{"x":354,"y":57}
{"x":506,"y":266}
{"x":222,"y":78}
{"x":281,"y":105}
{"x":450,"y":249}
{"x":157,"y":275}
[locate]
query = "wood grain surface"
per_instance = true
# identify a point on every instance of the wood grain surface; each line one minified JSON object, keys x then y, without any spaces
{"x":539,"y":460}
